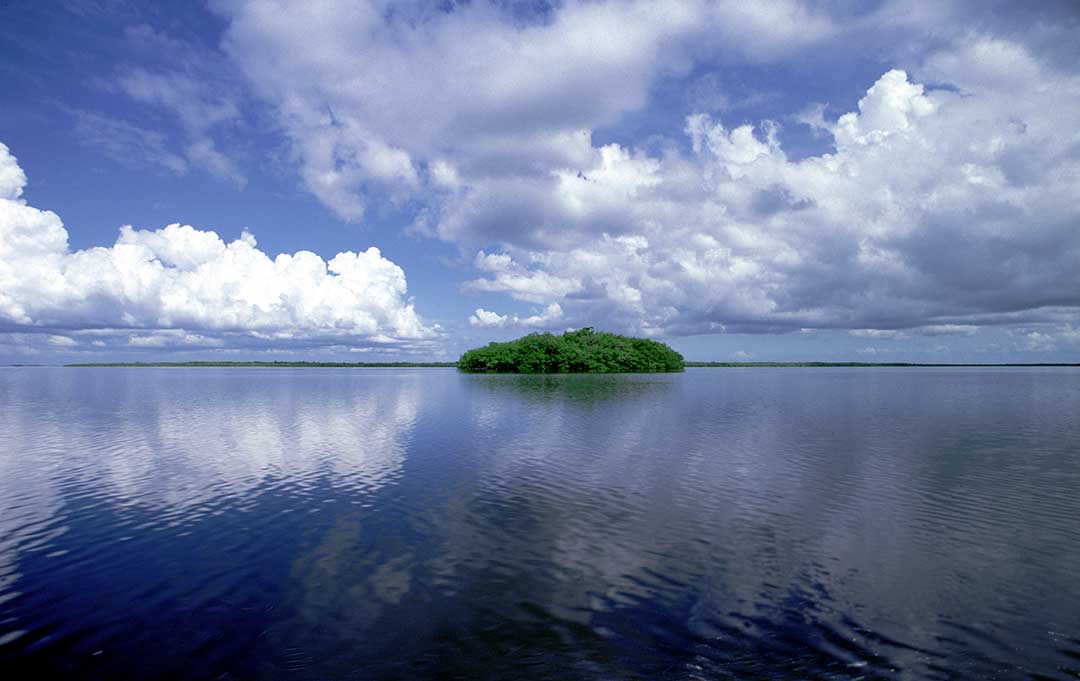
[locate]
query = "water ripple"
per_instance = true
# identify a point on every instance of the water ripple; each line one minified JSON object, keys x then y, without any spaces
{"x":425,"y":524}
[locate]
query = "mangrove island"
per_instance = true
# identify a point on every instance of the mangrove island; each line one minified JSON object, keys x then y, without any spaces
{"x":582,"y":351}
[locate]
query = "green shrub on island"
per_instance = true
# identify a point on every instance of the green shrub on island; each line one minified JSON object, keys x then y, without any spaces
{"x":583,"y":351}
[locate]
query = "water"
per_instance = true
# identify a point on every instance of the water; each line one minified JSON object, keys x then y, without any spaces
{"x":401,"y":524}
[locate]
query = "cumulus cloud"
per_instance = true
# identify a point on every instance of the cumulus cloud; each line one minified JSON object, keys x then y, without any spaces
{"x":940,"y":209}
{"x":486,"y":318}
{"x":12,"y":177}
{"x":533,"y":285}
{"x":1051,"y":338}
{"x":548,"y":318}
{"x":190,"y":287}
{"x":940,"y":202}
{"x":945,"y":201}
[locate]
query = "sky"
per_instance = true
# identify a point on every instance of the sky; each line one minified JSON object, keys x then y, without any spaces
{"x":373,"y":180}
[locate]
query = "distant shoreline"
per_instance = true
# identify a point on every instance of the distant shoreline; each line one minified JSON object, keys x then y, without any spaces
{"x":282,"y":365}
{"x":874,"y":364}
{"x":447,"y":365}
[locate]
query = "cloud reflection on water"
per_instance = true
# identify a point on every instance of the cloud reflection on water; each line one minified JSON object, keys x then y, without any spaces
{"x":751,"y":522}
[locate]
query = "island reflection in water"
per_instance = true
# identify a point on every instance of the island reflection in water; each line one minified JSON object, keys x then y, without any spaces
{"x":746,"y":523}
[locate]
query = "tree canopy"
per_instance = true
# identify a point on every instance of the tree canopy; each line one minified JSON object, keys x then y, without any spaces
{"x":582,"y":351}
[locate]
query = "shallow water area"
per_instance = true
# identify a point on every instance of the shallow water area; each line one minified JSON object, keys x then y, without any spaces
{"x":750,"y":523}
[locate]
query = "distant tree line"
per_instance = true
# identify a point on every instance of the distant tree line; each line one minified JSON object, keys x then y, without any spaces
{"x":582,"y":351}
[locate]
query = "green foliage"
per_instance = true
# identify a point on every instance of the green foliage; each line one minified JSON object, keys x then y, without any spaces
{"x":583,"y":351}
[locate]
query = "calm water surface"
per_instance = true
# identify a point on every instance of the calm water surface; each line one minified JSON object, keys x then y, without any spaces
{"x":401,"y":524}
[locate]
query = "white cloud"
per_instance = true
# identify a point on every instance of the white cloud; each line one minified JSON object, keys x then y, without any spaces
{"x":204,"y":154}
{"x":943,"y":209}
{"x":190,"y":280}
{"x":200,"y":90}
{"x":532,"y":285}
{"x":946,"y":202}
{"x":937,"y":208}
{"x":949,"y":330}
{"x":1050,"y":338}
{"x":12,"y":177}
{"x":892,"y":334}
{"x":127,"y":143}
{"x":1037,"y":341}
{"x":198,"y":107}
{"x":547,"y":318}
{"x":386,"y":92}
{"x":892,"y":105}
{"x":487,"y":319}
{"x":173,"y":339}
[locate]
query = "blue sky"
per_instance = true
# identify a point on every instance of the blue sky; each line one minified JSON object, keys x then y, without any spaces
{"x":886,"y":181}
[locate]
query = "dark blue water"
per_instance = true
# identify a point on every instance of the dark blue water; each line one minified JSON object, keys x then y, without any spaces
{"x":412,"y":524}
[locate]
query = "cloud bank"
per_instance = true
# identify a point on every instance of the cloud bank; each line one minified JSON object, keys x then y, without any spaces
{"x":406,"y":97}
{"x":665,"y":169}
{"x":938,"y":206}
{"x":181,"y":286}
